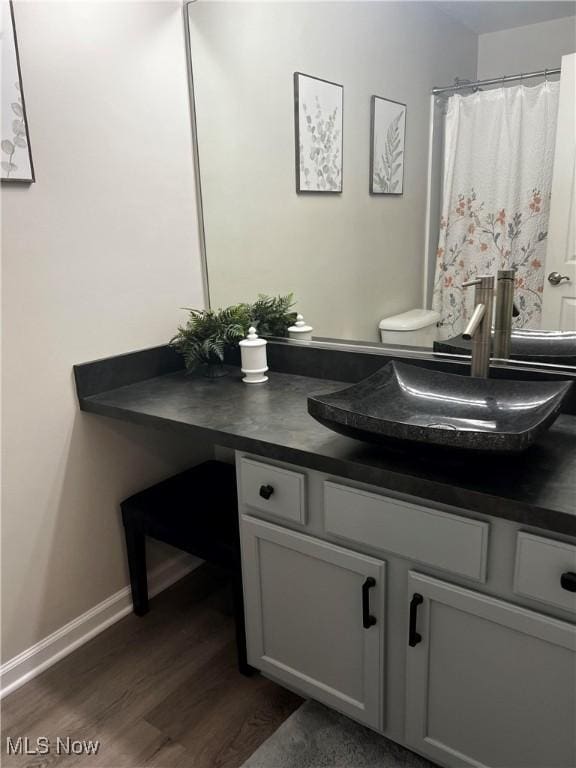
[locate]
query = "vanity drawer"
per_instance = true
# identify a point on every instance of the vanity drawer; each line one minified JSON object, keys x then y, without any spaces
{"x":440,"y":539}
{"x":276,"y":491}
{"x":546,"y":571}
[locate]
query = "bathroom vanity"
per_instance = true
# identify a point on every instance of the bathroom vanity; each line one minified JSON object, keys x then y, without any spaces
{"x":432,"y":600}
{"x":447,"y":631}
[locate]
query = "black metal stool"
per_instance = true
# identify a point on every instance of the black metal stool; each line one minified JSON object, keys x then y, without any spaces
{"x":196,"y":511}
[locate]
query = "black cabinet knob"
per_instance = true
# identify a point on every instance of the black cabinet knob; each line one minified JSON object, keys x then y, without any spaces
{"x":266,"y":491}
{"x":568,"y":581}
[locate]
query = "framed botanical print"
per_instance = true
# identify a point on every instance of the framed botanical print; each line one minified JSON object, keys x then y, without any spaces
{"x":387,"y":139}
{"x":15,"y":156}
{"x":318,"y":115}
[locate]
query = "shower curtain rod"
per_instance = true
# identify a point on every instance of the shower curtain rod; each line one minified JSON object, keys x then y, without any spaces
{"x":495,"y":80}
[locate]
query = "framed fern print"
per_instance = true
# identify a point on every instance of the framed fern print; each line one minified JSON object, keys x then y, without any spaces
{"x":387,"y":139}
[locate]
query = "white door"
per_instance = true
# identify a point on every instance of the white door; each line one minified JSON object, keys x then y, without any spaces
{"x":488,"y":683}
{"x":559,"y":298}
{"x":315,"y":617}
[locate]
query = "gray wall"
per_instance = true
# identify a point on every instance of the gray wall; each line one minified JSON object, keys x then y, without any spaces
{"x":525,"y":49}
{"x":350,"y":259}
{"x":98,"y":257}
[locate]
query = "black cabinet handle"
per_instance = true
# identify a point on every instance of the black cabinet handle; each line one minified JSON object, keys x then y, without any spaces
{"x":266,"y":491}
{"x":367,"y":620}
{"x":568,"y":581}
{"x":414,"y":637}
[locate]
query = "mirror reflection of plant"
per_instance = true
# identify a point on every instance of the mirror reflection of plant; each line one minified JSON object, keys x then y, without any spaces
{"x":209,"y":332}
{"x":273,"y":315}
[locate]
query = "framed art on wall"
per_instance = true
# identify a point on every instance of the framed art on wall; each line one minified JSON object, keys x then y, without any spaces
{"x":387,"y":138}
{"x":16,"y":158}
{"x":318,"y":115}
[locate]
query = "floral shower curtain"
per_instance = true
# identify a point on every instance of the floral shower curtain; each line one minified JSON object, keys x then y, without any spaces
{"x":498,"y":156}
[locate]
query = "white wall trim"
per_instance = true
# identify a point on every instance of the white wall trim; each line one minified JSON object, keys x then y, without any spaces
{"x":34,"y":660}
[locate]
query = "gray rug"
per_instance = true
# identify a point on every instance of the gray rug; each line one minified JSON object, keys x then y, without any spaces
{"x":317,"y":737}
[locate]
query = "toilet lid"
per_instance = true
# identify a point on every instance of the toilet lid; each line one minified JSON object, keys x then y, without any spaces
{"x":413,"y":320}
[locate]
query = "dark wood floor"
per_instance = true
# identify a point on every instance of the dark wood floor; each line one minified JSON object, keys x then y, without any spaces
{"x":161,"y":691}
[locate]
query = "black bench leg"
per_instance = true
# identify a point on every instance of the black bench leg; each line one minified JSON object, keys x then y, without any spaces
{"x":238,"y":600}
{"x":136,"y":551}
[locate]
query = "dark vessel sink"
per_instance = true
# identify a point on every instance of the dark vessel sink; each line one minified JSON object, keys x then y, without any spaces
{"x":406,"y":403}
{"x":555,"y":347}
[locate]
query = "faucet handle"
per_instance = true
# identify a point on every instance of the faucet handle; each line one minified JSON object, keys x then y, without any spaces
{"x":483,"y":281}
{"x":474,"y":322}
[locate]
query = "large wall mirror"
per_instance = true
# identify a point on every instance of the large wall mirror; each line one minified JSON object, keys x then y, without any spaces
{"x":372,"y":157}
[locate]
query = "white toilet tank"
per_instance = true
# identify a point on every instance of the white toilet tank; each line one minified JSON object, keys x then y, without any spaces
{"x":415,"y":328}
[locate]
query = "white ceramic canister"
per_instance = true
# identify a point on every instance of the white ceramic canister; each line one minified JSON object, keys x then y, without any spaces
{"x":254,"y":363}
{"x":300,"y":330}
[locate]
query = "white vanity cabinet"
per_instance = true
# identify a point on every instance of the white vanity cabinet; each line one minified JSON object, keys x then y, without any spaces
{"x":449,"y":632}
{"x":315,"y":617}
{"x":488,"y":683}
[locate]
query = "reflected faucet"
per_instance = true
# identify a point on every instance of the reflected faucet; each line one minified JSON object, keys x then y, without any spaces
{"x":479,"y":328}
{"x":505,"y":310}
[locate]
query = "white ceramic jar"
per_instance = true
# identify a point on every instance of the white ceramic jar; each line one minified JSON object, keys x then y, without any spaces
{"x":254,"y":362}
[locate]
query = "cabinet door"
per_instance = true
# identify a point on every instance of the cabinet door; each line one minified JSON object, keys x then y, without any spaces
{"x":488,"y":683}
{"x":315,"y":617}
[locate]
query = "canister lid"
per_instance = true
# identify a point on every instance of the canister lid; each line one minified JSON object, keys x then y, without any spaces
{"x":300,"y":326}
{"x":252,"y":339}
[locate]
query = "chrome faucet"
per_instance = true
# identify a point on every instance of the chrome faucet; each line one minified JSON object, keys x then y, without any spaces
{"x":505,"y":310}
{"x":479,"y":328}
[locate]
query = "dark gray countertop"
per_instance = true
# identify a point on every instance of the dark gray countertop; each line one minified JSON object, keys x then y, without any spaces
{"x":537,"y":488}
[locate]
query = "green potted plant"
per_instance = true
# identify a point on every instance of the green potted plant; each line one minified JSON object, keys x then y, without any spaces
{"x":209,"y":332}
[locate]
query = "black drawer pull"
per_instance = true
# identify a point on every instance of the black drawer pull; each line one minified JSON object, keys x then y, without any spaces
{"x":266,"y":491}
{"x":568,"y":581}
{"x":414,"y":637}
{"x":367,"y":619}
